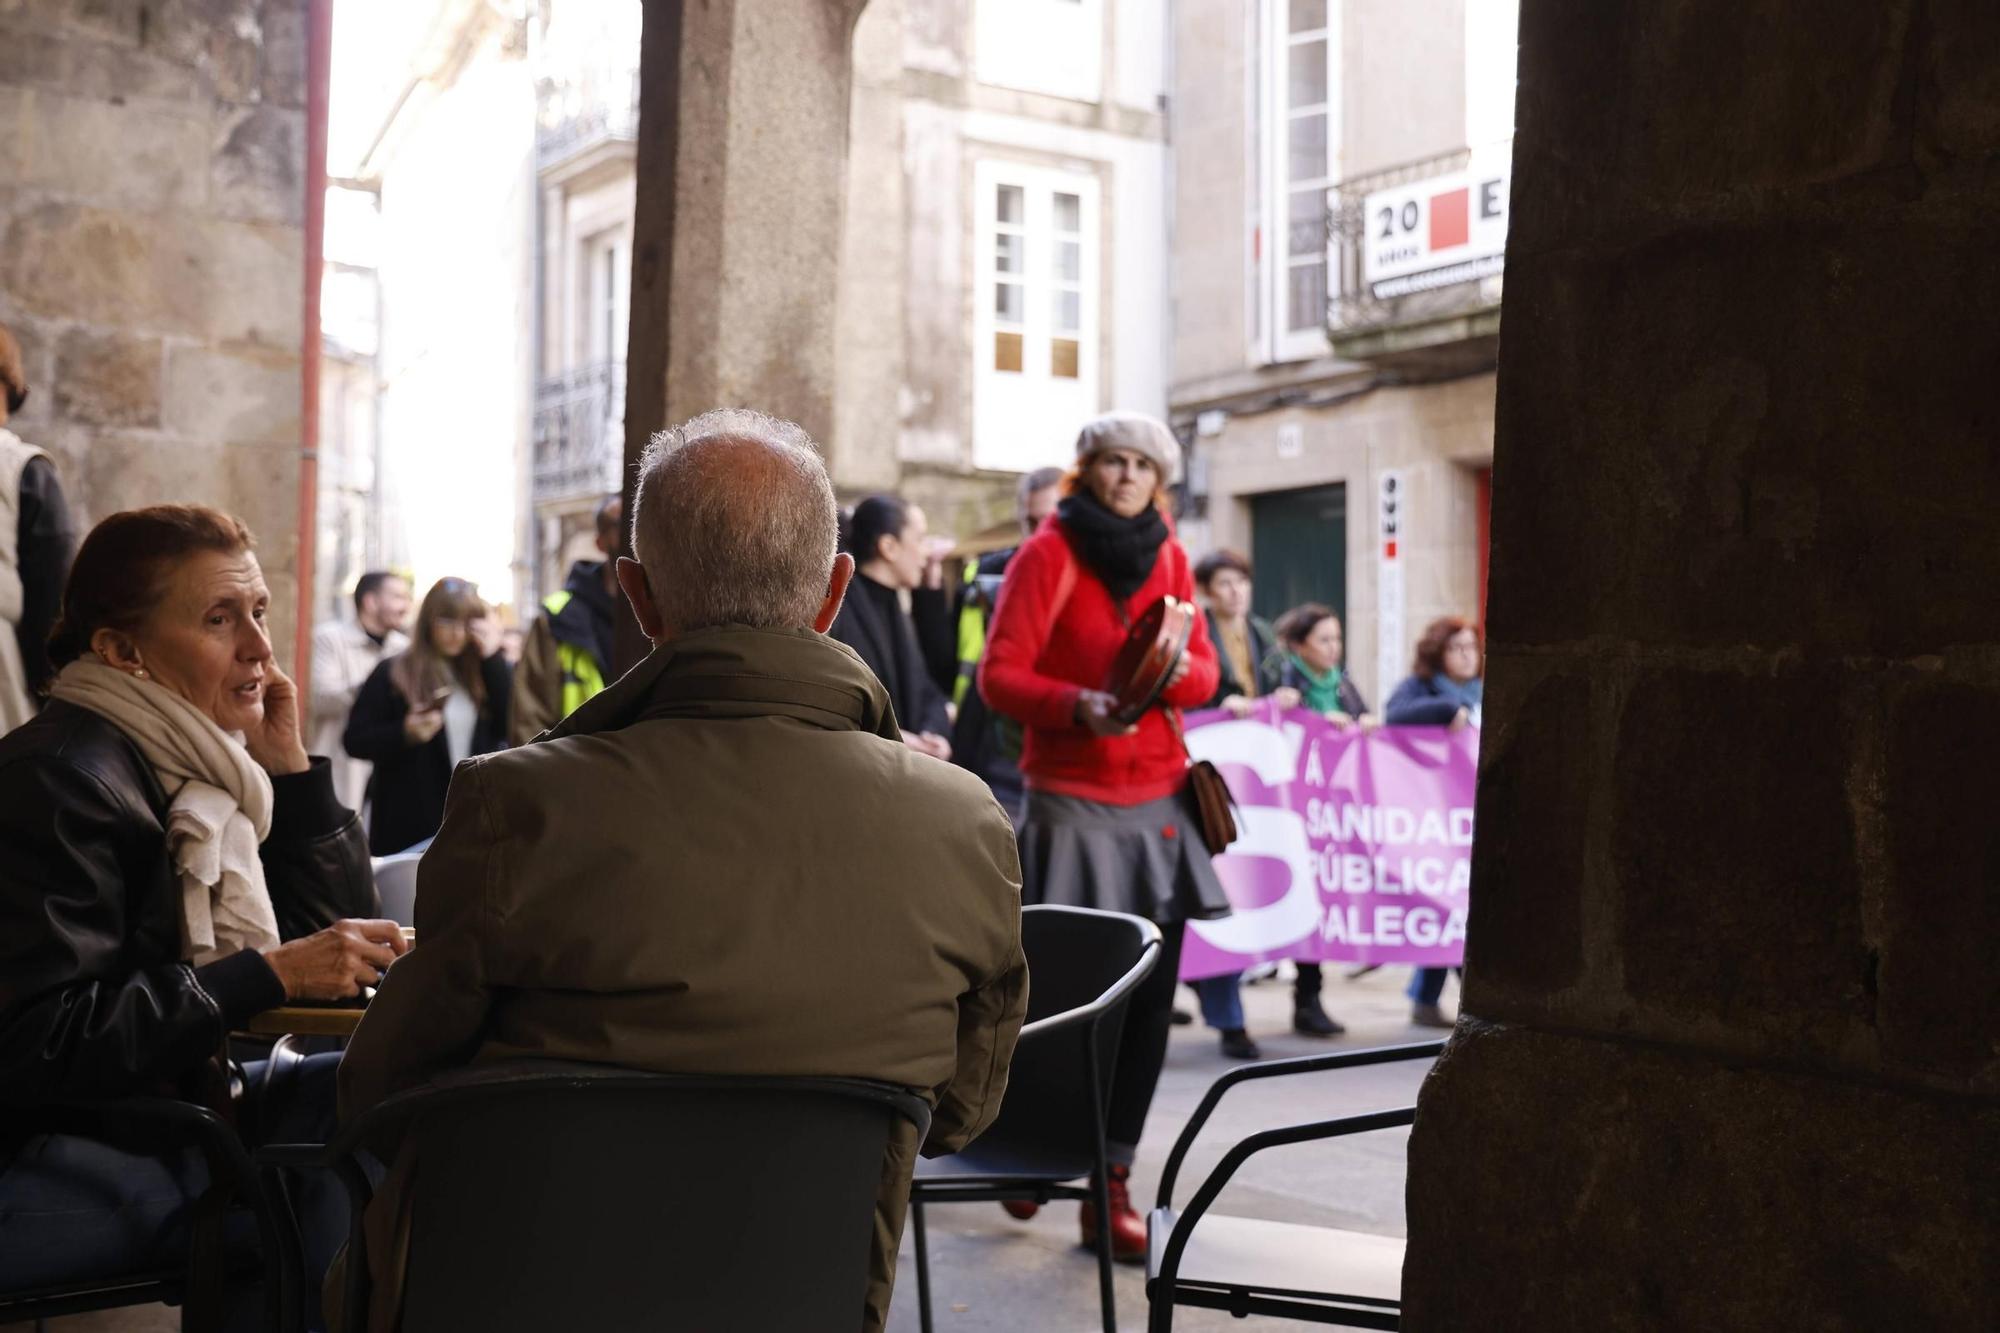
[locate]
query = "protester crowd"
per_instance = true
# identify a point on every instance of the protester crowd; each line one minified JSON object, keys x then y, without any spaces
{"x":805,"y":756}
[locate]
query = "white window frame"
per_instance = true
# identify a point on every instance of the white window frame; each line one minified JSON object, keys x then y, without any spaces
{"x":604,"y":296}
{"x":1268,"y":255}
{"x":1022,"y":419}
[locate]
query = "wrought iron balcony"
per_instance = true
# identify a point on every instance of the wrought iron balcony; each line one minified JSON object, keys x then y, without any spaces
{"x":1417,"y":253}
{"x":576,"y":114}
{"x":579,"y":433}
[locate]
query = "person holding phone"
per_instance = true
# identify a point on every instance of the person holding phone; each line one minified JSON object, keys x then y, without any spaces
{"x":441,"y":700}
{"x":174,"y":863}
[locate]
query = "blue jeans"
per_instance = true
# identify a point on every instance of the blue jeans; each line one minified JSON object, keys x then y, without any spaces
{"x":1221,"y":1001}
{"x":73,"y":1209}
{"x":1427,"y":984}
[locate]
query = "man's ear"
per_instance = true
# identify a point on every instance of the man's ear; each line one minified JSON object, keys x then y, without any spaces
{"x":632,"y":578}
{"x":836,"y":590}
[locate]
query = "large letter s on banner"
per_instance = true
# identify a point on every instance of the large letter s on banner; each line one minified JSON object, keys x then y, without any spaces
{"x":1262,"y":831}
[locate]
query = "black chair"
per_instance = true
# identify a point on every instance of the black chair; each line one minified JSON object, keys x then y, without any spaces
{"x":1321,"y":1275}
{"x":558,"y":1195}
{"x":200,"y":1286}
{"x":1082,"y":964}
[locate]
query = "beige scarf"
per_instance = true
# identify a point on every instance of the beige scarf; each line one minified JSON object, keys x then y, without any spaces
{"x":221,"y":806}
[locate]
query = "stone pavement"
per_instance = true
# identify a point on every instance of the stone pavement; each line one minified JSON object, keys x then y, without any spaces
{"x":991,"y":1274}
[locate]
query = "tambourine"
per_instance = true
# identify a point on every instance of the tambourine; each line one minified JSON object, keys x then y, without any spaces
{"x":1144,"y":665}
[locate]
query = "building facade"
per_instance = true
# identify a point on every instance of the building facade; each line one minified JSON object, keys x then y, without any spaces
{"x":1339,"y":196}
{"x":1005,"y":234}
{"x":585,"y":54}
{"x":452,"y":163}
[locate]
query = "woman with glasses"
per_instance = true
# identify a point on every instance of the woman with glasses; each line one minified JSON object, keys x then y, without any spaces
{"x":442,"y":700}
{"x":1445,"y":688}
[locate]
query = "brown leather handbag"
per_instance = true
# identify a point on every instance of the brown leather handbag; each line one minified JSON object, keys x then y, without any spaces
{"x":1213,"y":801}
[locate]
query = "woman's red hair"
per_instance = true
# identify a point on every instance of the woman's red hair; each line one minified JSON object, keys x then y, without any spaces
{"x":1437,"y":636}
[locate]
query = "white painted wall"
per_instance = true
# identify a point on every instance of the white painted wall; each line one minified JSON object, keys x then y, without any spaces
{"x":458,"y":316}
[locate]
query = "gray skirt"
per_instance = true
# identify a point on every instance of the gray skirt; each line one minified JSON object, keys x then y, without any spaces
{"x":1147,"y":860}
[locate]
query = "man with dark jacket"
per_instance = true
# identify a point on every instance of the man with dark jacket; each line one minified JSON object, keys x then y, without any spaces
{"x":981,"y":739}
{"x":728,"y":862}
{"x":566,"y":658}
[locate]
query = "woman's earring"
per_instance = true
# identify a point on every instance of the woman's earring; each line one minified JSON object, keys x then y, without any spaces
{"x":143,"y":674}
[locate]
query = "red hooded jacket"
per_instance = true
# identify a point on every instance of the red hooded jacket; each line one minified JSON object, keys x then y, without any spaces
{"x":1039,"y":657}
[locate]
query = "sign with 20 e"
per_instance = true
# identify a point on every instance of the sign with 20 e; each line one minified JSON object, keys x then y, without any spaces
{"x":1436,"y":232}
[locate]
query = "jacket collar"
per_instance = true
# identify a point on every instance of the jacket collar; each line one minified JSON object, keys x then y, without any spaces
{"x":736,"y":671}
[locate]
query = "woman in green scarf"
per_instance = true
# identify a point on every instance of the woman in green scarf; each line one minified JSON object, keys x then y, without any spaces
{"x":1310,"y":649}
{"x":1309,"y":656}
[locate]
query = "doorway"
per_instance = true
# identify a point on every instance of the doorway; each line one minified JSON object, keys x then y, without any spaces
{"x":1298,"y":546}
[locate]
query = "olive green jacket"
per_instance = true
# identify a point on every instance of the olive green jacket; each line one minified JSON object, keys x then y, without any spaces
{"x":726,"y":863}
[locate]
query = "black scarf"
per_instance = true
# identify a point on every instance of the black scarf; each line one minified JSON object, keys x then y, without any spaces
{"x":1120,"y":551}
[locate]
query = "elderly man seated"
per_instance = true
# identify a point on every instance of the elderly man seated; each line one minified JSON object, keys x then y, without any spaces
{"x":746,"y":783}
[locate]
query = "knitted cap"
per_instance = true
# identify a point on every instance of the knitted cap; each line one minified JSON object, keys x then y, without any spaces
{"x":1137,"y":432}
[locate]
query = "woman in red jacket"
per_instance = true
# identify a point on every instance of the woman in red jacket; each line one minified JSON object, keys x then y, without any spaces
{"x":1109,"y":820}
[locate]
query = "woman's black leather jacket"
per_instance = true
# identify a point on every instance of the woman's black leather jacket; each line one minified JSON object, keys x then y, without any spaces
{"x":94,"y":997}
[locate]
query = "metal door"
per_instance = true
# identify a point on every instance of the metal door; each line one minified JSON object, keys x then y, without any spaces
{"x":1298,"y":544}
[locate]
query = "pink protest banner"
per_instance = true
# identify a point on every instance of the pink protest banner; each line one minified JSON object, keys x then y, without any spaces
{"x":1354,"y":847}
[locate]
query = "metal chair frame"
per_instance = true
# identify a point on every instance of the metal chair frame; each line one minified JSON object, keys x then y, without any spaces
{"x":151,"y":1124}
{"x":475,"y":1083}
{"x":1165,"y":1290}
{"x":1083,"y":1023}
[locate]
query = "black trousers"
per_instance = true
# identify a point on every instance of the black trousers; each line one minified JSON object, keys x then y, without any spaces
{"x":1142,"y":1050}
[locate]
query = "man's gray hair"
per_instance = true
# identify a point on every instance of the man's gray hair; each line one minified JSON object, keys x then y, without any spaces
{"x":734,"y":520}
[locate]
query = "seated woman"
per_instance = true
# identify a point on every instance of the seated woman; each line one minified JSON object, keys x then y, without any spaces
{"x":174,"y":864}
{"x":442,"y":699}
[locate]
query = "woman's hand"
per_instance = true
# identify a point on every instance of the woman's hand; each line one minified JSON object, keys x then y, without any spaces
{"x":485,"y":632}
{"x":1461,"y":719}
{"x":1182,"y":665}
{"x":1094,"y":712}
{"x":276,"y":745}
{"x":928,"y":742}
{"x":1368,"y":722}
{"x":335,"y":963}
{"x":1237,"y":705}
{"x":1286,"y":697}
{"x":422,"y":724}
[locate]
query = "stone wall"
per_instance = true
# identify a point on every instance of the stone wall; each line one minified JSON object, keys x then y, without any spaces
{"x":152,"y":159}
{"x":1730,"y":1053}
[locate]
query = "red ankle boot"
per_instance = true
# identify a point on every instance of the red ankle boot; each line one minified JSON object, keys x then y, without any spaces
{"x":1020,"y":1209}
{"x":1128,"y":1229}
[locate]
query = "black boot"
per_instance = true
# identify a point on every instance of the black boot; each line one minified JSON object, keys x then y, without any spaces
{"x":1309,"y":1019}
{"x":1236,"y":1045}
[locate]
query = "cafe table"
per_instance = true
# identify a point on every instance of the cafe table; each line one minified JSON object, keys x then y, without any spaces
{"x":305,"y":1020}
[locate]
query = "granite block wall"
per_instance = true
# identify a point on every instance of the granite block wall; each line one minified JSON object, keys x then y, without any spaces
{"x":1731,"y":1053}
{"x":152,"y":159}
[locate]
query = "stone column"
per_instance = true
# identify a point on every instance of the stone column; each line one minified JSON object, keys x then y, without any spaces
{"x":1730,"y":1053}
{"x":736,"y":242}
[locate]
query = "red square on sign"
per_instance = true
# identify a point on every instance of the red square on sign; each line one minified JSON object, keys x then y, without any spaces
{"x":1451,"y":219}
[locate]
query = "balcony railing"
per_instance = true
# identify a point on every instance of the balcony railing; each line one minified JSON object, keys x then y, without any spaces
{"x":580,"y":432}
{"x":1417,"y":251}
{"x":574,"y":115}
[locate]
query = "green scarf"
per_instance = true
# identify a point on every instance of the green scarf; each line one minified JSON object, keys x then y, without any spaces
{"x":1322,"y":692}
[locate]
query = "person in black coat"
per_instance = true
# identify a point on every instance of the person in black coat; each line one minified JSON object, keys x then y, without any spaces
{"x":886,"y":537}
{"x":420,"y":712}
{"x":126,"y":958}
